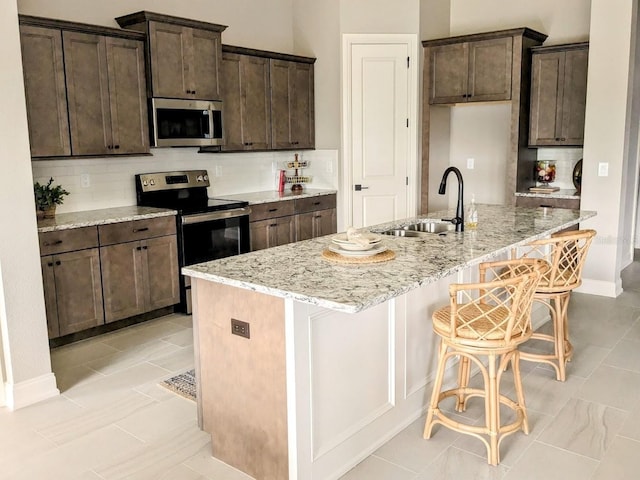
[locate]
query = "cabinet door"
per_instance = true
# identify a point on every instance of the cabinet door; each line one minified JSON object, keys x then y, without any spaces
{"x":122,"y":280}
{"x":78,"y":290}
{"x":204,"y":58}
{"x":50,"y":304}
{"x":45,"y":91}
{"x":449,"y":73}
{"x":490,"y":64}
{"x":574,"y":98}
{"x":315,"y":224}
{"x":88,"y":93}
{"x":169,"y":47}
{"x":546,"y":98}
{"x":303,"y":108}
{"x":127,"y":94}
{"x":160,"y":260}
{"x":272,"y":232}
{"x":292,"y":105}
{"x":245,"y":92}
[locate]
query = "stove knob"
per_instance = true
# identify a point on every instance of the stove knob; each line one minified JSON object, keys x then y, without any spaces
{"x":199,"y":178}
{"x":206,"y":177}
{"x":152,"y":182}
{"x":145,"y":183}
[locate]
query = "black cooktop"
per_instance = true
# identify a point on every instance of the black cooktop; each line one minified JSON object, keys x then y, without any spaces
{"x":184,"y":191}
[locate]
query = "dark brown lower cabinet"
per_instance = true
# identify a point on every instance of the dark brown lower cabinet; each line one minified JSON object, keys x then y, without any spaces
{"x":73,"y":291}
{"x":272,"y":232}
{"x":315,"y":224}
{"x":139,"y":276}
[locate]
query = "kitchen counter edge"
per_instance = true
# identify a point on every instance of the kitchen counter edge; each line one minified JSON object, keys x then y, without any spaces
{"x":90,"y":218}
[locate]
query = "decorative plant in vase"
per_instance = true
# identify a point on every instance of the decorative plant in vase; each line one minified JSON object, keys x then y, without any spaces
{"x":47,"y":198}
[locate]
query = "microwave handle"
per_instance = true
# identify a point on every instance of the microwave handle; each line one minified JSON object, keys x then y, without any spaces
{"x":210,"y":122}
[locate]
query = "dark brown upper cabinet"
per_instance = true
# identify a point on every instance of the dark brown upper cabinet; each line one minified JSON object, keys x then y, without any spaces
{"x":45,"y":91}
{"x":106,"y":94}
{"x":85,"y":89}
{"x":268,"y":100}
{"x":477,"y":71}
{"x":558,"y":95}
{"x":247,"y":105}
{"x":184,"y":55}
{"x":292,"y":104}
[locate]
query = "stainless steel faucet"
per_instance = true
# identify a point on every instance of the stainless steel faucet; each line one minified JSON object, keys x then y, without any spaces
{"x":458,"y":220}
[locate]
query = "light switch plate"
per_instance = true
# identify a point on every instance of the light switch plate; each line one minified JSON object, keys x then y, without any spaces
{"x":85,"y":180}
{"x":603,"y":169}
{"x":471,"y":163}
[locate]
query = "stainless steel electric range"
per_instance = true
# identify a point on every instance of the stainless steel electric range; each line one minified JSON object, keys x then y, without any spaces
{"x":208,"y":228}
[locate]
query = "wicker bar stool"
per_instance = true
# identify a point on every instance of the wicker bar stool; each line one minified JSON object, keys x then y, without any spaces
{"x":491,"y":319}
{"x":566,"y":253}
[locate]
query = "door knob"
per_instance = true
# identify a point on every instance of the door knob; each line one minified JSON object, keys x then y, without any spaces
{"x":359,"y":187}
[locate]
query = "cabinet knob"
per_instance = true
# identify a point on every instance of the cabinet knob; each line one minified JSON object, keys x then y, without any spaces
{"x":144,"y":248}
{"x":49,"y":264}
{"x":57,"y":262}
{"x":138,"y":248}
{"x":110,"y":147}
{"x":116,"y":147}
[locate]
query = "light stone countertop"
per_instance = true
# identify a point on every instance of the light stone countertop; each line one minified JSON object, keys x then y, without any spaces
{"x":567,"y":193}
{"x":255,"y":198}
{"x":89,"y":218}
{"x":298,"y":270}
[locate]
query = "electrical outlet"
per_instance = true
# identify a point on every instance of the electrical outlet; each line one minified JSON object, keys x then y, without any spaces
{"x":471,"y":163}
{"x":218,"y":171}
{"x":85,"y":180}
{"x":238,"y":327}
{"x":603,"y":169}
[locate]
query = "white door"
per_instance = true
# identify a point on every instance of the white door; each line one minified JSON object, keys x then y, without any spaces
{"x":379,"y":142}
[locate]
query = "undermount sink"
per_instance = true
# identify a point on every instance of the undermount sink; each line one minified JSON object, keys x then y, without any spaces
{"x":421,"y":229}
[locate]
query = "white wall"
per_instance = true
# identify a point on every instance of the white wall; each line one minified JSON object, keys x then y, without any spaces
{"x":252,"y":23}
{"x":606,"y":134}
{"x":27,"y":367}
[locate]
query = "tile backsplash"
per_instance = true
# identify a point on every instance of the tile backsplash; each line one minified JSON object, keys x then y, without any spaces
{"x":111,"y":180}
{"x":566,"y":159}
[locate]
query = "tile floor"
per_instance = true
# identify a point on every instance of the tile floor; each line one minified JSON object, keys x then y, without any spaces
{"x":113,"y":421}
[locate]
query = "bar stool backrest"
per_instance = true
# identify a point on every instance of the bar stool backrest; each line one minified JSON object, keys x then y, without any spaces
{"x":566,"y":253}
{"x":491,"y":313}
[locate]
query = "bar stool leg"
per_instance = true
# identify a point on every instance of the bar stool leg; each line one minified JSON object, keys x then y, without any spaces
{"x":464,"y":368}
{"x":559,"y":322}
{"x":492,"y":405}
{"x":435,"y":394}
{"x":517,"y":380}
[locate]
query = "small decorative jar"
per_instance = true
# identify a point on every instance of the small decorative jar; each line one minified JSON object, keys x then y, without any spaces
{"x":546,"y":171}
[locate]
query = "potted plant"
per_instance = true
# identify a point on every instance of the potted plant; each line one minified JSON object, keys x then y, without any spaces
{"x":47,"y":198}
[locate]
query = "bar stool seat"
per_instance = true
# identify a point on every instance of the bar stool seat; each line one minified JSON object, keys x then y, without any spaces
{"x":565,"y":253}
{"x":490,"y":319}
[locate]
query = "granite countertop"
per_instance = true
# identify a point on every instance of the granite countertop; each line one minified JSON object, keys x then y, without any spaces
{"x":568,"y":193}
{"x":274,"y":196}
{"x":89,"y":218}
{"x":298,"y":270}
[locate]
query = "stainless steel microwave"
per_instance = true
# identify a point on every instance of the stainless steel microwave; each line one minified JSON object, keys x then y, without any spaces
{"x":186,"y":123}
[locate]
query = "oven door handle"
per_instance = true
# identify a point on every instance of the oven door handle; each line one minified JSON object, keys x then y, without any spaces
{"x":219,"y":215}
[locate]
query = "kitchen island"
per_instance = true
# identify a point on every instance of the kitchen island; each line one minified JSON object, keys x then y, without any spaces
{"x":338,"y":357}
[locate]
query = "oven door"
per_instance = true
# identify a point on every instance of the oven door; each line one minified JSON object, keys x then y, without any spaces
{"x":210,"y":236}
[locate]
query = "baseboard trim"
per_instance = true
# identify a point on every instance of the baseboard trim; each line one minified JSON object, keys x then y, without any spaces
{"x":34,"y":390}
{"x":600,"y":287}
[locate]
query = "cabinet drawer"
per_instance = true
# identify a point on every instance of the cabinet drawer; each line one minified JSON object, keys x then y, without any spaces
{"x":137,"y":230}
{"x":533,"y":202}
{"x":311,"y":204}
{"x":263,"y":211}
{"x":68,"y":240}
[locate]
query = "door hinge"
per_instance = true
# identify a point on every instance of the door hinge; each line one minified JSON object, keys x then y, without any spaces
{"x":407,"y":123}
{"x":408,"y":60}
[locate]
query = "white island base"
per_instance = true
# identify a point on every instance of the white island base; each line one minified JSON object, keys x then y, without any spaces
{"x":314,"y":391}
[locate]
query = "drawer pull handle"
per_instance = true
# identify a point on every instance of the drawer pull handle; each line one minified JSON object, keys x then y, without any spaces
{"x":273,"y":209}
{"x":144,"y":229}
{"x":49,"y":244}
{"x":316,"y":203}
